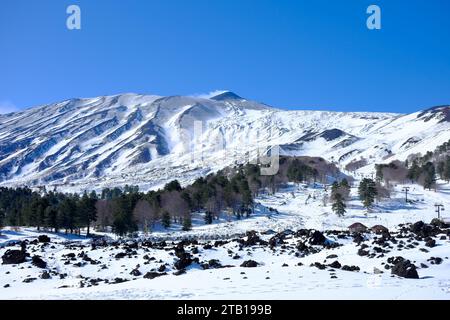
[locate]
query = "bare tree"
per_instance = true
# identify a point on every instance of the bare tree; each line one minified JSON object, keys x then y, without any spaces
{"x":104,"y":214}
{"x":175,"y":205}
{"x":145,"y":215}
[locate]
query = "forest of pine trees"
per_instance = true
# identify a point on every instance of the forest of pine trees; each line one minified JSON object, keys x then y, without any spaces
{"x":126,"y":210}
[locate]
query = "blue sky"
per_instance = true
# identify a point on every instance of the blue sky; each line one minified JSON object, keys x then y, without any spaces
{"x":289,"y":53}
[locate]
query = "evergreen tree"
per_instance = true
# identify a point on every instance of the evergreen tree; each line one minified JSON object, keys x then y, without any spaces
{"x":187,"y":223}
{"x":2,"y":218}
{"x":334,"y":188}
{"x":165,"y":220}
{"x":173,"y":186}
{"x":123,"y":221}
{"x":67,"y":214}
{"x":414,"y":172}
{"x":429,"y":180}
{"x":367,"y":192}
{"x":338,"y":205}
{"x":88,"y":210}
{"x":208,"y":217}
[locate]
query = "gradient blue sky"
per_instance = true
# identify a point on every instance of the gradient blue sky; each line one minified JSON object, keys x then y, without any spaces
{"x":288,"y":53}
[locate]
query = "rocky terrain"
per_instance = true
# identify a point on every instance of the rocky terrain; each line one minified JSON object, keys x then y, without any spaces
{"x":42,"y":266}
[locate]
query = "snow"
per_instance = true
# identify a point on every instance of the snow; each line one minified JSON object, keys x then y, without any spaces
{"x":270,"y":280}
{"x":242,"y":126}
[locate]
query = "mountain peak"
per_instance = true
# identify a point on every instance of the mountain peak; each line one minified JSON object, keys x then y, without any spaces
{"x":227,"y":95}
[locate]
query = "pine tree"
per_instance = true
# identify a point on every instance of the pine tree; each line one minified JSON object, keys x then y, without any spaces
{"x":165,"y":220}
{"x":208,"y":217}
{"x":334,"y":188}
{"x":88,"y":210}
{"x":414,"y":172}
{"x":173,"y":186}
{"x":446,"y":171}
{"x":367,"y":192}
{"x":2,"y":218}
{"x":187,"y":223}
{"x":338,"y":205}
{"x":123,"y":214}
{"x":429,"y":180}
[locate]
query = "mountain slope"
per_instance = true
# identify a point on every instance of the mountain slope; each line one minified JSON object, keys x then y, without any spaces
{"x":148,"y":140}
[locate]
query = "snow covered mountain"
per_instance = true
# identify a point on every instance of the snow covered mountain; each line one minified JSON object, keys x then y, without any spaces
{"x":146,"y":140}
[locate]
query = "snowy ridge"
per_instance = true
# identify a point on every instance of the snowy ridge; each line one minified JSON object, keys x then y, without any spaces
{"x":146,"y":140}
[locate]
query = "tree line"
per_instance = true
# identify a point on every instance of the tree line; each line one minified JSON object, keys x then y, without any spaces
{"x":230,"y":191}
{"x":417,"y":168}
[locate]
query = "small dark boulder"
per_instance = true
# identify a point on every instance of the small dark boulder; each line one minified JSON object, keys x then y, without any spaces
{"x":135,"y":272}
{"x":120,"y":255}
{"x":350,"y":268}
{"x":430,"y":243}
{"x":14,"y":257}
{"x":44,"y":238}
{"x":335,"y":265}
{"x":317,"y":238}
{"x":404,"y":268}
{"x":439,"y":223}
{"x":249,"y":264}
{"x":362,"y":252}
{"x":38,"y":262}
{"x":184,"y":261}
{"x":318,"y":265}
{"x":162,"y":268}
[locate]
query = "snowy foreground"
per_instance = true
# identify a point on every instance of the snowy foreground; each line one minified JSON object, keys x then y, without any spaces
{"x":293,"y":262}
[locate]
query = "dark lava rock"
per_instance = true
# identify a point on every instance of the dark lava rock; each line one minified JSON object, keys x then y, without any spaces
{"x":301,"y":246}
{"x":252,"y":239}
{"x":214,"y":264}
{"x":404,"y":268}
{"x":430,"y":243}
{"x":335,"y":265}
{"x":135,"y":273}
{"x":424,"y":230}
{"x":120,"y":280}
{"x":43,"y":238}
{"x":14,"y":257}
{"x":435,"y":260}
{"x":120,"y":255}
{"x":318,"y":265}
{"x":249,"y":264}
{"x":162,"y":268}
{"x":153,"y":275}
{"x":439,"y":223}
{"x":45,"y":275}
{"x":28,"y":280}
{"x":38,"y":262}
{"x":183,"y":262}
{"x":350,"y":268}
{"x":362,"y":252}
{"x":179,"y":272}
{"x":358,"y":238}
{"x":332,"y":256}
{"x":6,"y":286}
{"x":317,"y":238}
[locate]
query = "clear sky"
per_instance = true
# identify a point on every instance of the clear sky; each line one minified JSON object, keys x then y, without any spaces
{"x":292,"y":54}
